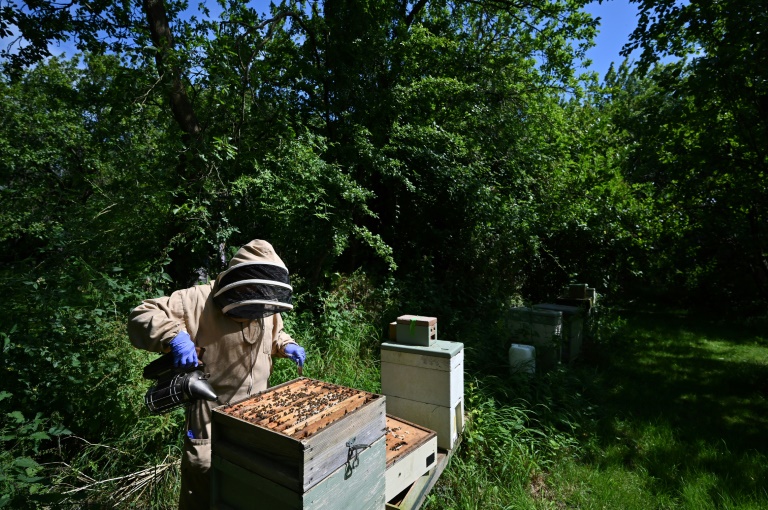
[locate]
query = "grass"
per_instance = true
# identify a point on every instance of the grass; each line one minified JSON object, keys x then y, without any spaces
{"x":662,"y":412}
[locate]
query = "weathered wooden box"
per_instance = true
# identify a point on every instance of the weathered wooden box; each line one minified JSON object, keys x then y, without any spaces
{"x":541,"y":328}
{"x":577,"y":290}
{"x":446,"y":421}
{"x":416,"y":330}
{"x":573,"y":325}
{"x":298,"y":435}
{"x":411,"y":452}
{"x":360,"y":484}
{"x":434,"y":375}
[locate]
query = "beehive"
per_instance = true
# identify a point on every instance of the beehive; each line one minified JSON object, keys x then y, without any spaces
{"x":434,"y":375}
{"x":446,"y":421}
{"x":541,"y":328}
{"x":425,"y":385}
{"x":293,"y":445}
{"x":573,"y":324}
{"x":411,"y":452}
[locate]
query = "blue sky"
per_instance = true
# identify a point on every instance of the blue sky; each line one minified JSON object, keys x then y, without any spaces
{"x":618,"y":20}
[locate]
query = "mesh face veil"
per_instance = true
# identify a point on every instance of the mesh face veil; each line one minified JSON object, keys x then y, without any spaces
{"x":252,"y":290}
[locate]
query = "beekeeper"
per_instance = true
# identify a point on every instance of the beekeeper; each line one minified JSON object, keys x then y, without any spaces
{"x":237,"y":320}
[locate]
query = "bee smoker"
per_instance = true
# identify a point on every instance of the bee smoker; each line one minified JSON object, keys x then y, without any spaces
{"x":176,"y":387}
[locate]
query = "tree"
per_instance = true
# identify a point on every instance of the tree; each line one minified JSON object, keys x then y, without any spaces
{"x":705,"y":139}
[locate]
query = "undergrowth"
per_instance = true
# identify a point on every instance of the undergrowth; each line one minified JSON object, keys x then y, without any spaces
{"x":656,"y":413}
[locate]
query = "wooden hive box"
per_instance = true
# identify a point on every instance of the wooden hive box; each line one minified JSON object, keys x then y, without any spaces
{"x":416,"y":330}
{"x":573,"y":324}
{"x":425,"y":385}
{"x":434,"y":375}
{"x":296,"y":442}
{"x":411,"y":452}
{"x":360,"y":485}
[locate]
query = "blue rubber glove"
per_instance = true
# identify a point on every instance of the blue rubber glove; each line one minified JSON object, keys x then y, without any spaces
{"x":296,"y":353}
{"x":184,"y":354}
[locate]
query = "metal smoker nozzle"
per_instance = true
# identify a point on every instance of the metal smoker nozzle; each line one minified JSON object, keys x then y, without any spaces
{"x":199,"y":388}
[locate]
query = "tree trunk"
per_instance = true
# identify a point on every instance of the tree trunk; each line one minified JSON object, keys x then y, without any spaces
{"x":160,"y":31}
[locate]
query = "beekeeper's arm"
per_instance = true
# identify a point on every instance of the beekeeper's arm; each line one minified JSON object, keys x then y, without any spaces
{"x":157,"y":325}
{"x":283,"y":345}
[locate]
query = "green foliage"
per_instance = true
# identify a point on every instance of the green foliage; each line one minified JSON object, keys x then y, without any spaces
{"x":23,"y":479}
{"x":694,"y":127}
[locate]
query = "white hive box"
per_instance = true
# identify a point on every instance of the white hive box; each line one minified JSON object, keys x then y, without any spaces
{"x":417,"y":330}
{"x":411,"y":452}
{"x":434,"y":375}
{"x":425,"y":385}
{"x":447,"y":422}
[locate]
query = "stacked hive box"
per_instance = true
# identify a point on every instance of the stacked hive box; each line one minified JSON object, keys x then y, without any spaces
{"x":304,"y":444}
{"x":581,"y":296}
{"x":541,"y":329}
{"x":425,"y":385}
{"x":573,"y":322}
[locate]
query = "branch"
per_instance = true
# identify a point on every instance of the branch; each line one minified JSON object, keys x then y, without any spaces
{"x":162,"y":38}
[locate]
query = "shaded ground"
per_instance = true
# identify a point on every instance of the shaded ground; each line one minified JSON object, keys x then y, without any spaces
{"x":683,"y":398}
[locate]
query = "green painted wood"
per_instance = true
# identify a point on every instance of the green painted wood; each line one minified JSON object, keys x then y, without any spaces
{"x":441,"y":348}
{"x":359,"y":485}
{"x":295,"y":464}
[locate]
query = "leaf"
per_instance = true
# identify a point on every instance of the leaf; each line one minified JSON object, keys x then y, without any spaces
{"x":30,"y":479}
{"x":26,"y":462}
{"x":16,"y":415}
{"x":58,"y":430}
{"x":39,"y":436}
{"x":4,"y":395}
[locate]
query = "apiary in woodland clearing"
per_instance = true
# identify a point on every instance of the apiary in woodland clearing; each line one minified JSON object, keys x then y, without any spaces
{"x":302,"y":444}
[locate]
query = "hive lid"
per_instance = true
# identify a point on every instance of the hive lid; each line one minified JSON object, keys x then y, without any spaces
{"x":559,"y":308}
{"x":440,"y":348}
{"x":418,"y":320}
{"x":535,"y":311}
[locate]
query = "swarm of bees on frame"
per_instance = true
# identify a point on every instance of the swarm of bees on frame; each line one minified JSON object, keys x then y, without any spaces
{"x":301,"y":408}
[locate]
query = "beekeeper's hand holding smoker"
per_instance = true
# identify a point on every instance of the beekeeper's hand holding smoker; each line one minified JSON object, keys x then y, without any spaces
{"x":236,"y":319}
